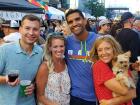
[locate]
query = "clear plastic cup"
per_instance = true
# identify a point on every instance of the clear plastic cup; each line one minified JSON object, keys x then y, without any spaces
{"x":23,"y":85}
{"x":13,"y":75}
{"x":138,"y":58}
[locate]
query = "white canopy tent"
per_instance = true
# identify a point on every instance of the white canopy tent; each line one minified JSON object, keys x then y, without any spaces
{"x":86,"y":15}
{"x":55,"y":13}
{"x":101,"y":17}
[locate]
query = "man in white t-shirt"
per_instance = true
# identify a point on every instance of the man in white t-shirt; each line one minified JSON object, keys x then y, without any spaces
{"x":14,"y":32}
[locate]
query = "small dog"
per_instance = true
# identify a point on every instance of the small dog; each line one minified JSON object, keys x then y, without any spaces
{"x":120,"y":69}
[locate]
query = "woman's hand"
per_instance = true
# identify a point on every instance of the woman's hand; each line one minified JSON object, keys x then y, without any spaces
{"x":105,"y":102}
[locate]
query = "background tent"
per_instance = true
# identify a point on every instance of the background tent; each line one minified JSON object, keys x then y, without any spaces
{"x":54,"y":13}
{"x":20,"y":6}
{"x":101,"y":17}
{"x":16,"y":9}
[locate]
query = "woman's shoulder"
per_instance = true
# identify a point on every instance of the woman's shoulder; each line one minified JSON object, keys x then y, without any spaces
{"x":44,"y":63}
{"x":43,"y":66}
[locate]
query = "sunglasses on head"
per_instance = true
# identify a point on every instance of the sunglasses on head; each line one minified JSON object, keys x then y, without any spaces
{"x":55,"y":34}
{"x":104,"y":36}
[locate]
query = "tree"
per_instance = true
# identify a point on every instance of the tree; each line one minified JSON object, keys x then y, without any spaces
{"x":97,"y":9}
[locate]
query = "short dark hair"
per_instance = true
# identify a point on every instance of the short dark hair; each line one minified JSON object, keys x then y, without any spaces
{"x":31,"y":18}
{"x":125,"y":16}
{"x":71,"y":11}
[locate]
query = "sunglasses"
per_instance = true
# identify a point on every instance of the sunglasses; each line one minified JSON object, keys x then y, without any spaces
{"x":104,"y":36}
{"x":55,"y":34}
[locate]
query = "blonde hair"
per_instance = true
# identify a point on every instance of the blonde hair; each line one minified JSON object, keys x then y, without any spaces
{"x":106,"y":38}
{"x":47,"y":56}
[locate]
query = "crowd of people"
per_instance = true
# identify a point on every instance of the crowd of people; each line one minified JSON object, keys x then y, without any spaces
{"x":69,"y":62}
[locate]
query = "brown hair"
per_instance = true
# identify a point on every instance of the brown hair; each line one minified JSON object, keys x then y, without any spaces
{"x":106,"y":38}
{"x":31,"y":18}
{"x":71,"y":11}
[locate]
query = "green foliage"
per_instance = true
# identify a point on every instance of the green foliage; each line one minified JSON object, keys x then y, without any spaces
{"x":97,"y":9}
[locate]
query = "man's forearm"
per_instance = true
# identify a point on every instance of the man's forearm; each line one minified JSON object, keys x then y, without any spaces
{"x":2,"y":79}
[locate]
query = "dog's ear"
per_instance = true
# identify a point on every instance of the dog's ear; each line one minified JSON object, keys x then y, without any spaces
{"x":128,"y":53}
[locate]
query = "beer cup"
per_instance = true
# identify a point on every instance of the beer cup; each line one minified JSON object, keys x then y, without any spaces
{"x":23,"y":85}
{"x":138,"y":58}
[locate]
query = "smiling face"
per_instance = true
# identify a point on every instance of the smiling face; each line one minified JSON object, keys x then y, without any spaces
{"x":57,"y":48}
{"x":76,"y":23}
{"x":105,"y":52}
{"x":30,"y":31}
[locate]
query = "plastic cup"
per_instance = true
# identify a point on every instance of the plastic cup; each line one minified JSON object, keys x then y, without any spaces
{"x":13,"y":75}
{"x":23,"y":85}
{"x":138,"y":58}
{"x":138,"y":61}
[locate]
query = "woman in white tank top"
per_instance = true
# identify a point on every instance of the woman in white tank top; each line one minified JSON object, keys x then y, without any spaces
{"x":53,"y":82}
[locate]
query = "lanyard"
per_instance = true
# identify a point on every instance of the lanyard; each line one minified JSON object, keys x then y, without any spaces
{"x":85,"y":49}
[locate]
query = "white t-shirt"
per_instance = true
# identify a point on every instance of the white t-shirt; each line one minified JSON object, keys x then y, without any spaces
{"x":12,"y":37}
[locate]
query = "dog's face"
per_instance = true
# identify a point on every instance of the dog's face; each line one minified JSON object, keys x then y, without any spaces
{"x":122,"y":61}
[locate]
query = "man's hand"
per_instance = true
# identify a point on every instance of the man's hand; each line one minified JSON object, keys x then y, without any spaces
{"x":29,"y":89}
{"x":136,"y":65}
{"x":15,"y":83}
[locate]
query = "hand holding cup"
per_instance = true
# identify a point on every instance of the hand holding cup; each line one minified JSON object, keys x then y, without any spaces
{"x":13,"y":77}
{"x":29,"y":89}
{"x":136,"y":65}
{"x":26,"y":88}
{"x":138,"y":62}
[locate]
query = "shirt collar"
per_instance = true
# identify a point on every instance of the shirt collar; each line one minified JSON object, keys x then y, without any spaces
{"x":20,"y":50}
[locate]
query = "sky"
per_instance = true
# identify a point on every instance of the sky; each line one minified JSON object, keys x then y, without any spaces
{"x":133,"y":5}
